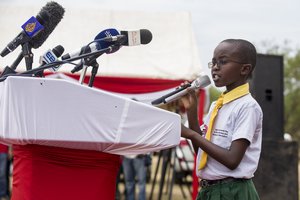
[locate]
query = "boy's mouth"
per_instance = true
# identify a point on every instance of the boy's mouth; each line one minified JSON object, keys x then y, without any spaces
{"x":215,"y":77}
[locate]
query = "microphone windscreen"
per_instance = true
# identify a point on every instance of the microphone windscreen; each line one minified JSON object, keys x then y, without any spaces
{"x":58,"y":50}
{"x":42,"y":17}
{"x":201,"y":82}
{"x":55,"y":14}
{"x":146,"y":36}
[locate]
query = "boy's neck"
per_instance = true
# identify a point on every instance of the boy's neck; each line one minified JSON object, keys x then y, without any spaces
{"x":229,"y":88}
{"x":241,"y":85}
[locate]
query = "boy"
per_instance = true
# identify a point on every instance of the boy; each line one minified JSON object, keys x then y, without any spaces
{"x":228,"y":150}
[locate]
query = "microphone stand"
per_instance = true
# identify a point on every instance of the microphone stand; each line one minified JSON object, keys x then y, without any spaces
{"x":28,"y":55}
{"x":26,"y":52}
{"x":32,"y":72}
{"x":91,"y":61}
{"x":94,"y":72}
{"x":82,"y":75}
{"x":17,"y":61}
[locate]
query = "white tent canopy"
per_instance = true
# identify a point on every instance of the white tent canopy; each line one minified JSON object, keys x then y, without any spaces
{"x":172,"y":53}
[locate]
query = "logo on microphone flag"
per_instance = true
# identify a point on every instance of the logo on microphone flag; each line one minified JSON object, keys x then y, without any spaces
{"x":32,"y":27}
{"x":104,"y":34}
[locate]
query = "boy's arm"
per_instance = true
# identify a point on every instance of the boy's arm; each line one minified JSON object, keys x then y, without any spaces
{"x":190,"y":103}
{"x":231,"y":157}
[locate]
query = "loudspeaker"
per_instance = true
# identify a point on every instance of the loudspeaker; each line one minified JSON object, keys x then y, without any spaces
{"x":266,"y":86}
{"x":277,"y":174}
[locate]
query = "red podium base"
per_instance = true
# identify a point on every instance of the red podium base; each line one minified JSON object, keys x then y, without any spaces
{"x":47,"y":173}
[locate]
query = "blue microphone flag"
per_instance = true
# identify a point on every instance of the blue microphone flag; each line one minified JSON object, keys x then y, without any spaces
{"x":106,"y":34}
{"x":32,"y":27}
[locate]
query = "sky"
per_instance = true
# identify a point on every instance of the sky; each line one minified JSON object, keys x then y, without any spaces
{"x":271,"y":21}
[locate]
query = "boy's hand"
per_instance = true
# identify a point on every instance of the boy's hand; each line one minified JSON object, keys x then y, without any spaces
{"x":189,"y":100}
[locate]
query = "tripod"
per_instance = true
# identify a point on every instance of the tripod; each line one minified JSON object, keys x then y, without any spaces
{"x":169,"y":164}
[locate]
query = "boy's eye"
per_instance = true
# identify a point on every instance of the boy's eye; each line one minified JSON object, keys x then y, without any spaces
{"x":222,"y":62}
{"x":218,"y":63}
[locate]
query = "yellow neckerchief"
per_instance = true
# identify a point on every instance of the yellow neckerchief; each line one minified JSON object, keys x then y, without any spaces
{"x":223,"y":99}
{"x":236,"y":93}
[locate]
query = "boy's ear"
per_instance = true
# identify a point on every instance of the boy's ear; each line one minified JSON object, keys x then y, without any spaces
{"x":246,"y":69}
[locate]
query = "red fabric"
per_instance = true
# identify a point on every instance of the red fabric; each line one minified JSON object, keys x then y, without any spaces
{"x":130,"y":85}
{"x":3,"y":148}
{"x":200,"y":116}
{"x":48,"y":173}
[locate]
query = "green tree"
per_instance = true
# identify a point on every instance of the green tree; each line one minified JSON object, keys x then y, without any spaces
{"x":214,"y":94}
{"x":292,"y":95}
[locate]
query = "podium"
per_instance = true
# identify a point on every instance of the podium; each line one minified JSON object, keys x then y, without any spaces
{"x":67,"y":138}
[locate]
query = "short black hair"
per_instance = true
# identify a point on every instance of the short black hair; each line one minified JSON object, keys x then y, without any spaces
{"x":246,"y":50}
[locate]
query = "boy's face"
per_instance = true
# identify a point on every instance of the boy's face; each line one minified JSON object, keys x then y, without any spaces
{"x":228,"y":67}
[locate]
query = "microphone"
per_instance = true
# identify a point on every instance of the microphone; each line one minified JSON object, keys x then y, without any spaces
{"x":198,"y":83}
{"x":109,"y":37}
{"x":49,"y":60}
{"x":113,"y":40}
{"x":51,"y":56}
{"x":37,"y":31}
{"x":30,"y":29}
{"x":85,"y":49}
{"x":100,"y":42}
{"x":56,"y":13}
{"x":131,"y":38}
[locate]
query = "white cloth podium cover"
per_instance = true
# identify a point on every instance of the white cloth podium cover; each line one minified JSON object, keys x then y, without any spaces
{"x":60,"y":113}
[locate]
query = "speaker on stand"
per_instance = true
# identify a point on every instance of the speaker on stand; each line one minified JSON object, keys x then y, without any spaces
{"x":277,"y":173}
{"x":266,"y":86}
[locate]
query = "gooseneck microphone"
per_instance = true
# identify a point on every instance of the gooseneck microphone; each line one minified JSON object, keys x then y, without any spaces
{"x":198,"y":83}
